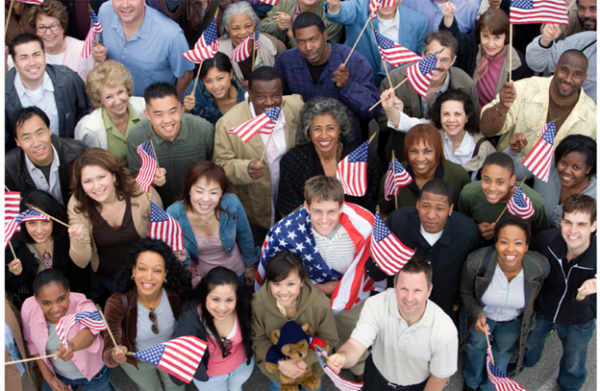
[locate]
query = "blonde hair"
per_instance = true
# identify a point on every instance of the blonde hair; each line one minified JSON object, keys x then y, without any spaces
{"x":323,"y":188}
{"x":108,"y":74}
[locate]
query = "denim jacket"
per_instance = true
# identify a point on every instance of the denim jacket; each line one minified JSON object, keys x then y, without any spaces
{"x":206,"y":106}
{"x":231,"y":229}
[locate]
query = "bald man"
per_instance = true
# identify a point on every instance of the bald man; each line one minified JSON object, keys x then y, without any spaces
{"x":526,"y":105}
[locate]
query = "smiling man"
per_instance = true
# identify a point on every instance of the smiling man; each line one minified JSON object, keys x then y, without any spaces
{"x":179,"y":140}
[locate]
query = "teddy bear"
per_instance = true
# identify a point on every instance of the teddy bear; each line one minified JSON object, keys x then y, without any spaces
{"x":293,"y":342}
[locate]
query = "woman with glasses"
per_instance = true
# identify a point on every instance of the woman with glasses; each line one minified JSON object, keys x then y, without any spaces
{"x":219,"y":313}
{"x":143,"y":311}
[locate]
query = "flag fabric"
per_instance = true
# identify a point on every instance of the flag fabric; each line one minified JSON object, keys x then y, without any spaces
{"x":419,"y":74}
{"x":270,"y":2}
{"x":396,"y":178}
{"x":520,"y":205}
{"x":337,"y":380}
{"x":162,"y":226}
{"x":34,"y":2}
{"x":539,"y":159}
{"x":294,"y":233}
{"x":376,"y":5}
{"x":388,"y":252}
{"x":500,"y":381}
{"x":179,"y":357}
{"x":147,"y":171}
{"x":88,"y":319}
{"x":394,"y":54}
{"x":352,"y":171}
{"x":264,"y":123}
{"x":206,"y":47}
{"x":11,"y":226}
{"x":12,"y":200}
{"x":90,"y":39}
{"x":244,"y":49}
{"x":538,"y":11}
{"x":96,"y":23}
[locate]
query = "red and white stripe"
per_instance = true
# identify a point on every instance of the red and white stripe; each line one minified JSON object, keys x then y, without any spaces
{"x":182,"y":356}
{"x":249,"y":129}
{"x":243,"y":50}
{"x":538,"y":161}
{"x":544,"y":11}
{"x":418,"y":81}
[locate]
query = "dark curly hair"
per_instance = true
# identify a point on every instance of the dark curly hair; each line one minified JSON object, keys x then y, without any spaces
{"x":517,"y":222}
{"x":178,"y":280}
{"x":472,"y":125}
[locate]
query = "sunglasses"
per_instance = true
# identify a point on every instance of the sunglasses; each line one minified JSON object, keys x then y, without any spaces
{"x":227,"y":345}
{"x":152,"y":317}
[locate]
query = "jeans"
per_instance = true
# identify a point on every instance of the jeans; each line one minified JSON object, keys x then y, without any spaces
{"x":574,"y":339}
{"x":276,"y":386}
{"x":230,"y":381}
{"x":100,"y":382}
{"x":504,"y":337}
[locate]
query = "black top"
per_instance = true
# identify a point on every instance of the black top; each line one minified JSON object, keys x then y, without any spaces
{"x":557,"y":299}
{"x":316,"y":71}
{"x":459,"y":239}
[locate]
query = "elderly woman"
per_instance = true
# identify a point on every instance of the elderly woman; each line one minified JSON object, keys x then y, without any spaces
{"x":572,"y":171}
{"x":498,"y":288}
{"x":143,"y":311}
{"x":484,"y":55}
{"x":425,"y":160}
{"x":110,"y":88}
{"x":50,"y":21}
{"x":238,"y":23}
{"x":324,"y":137}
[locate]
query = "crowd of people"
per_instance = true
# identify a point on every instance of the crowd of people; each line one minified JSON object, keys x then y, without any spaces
{"x":269,"y":215}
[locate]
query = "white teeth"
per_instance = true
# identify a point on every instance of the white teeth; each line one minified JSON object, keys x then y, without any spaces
{"x":324,"y":143}
{"x":511,"y":257}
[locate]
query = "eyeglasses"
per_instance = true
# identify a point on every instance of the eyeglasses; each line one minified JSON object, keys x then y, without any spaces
{"x":53,"y":27}
{"x":152,"y":317}
{"x":227,"y":345}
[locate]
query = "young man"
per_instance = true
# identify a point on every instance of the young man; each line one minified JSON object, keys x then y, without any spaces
{"x":485,"y":200}
{"x":567,"y":302}
{"x":415,"y":344}
{"x":179,"y":140}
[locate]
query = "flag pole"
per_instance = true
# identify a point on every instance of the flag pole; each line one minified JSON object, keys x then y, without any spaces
{"x":93,"y":27}
{"x":490,"y":348}
{"x":570,"y":5}
{"x":357,"y":39}
{"x":153,"y":151}
{"x":504,"y":210}
{"x":12,"y":2}
{"x":266,"y":145}
{"x":12,"y":249}
{"x":46,"y":214}
{"x":382,"y":60}
{"x":399,"y":84}
{"x":108,"y":328}
{"x":394,"y":165}
{"x":510,"y":50}
{"x":196,"y":82}
{"x":30,"y":359}
{"x":253,"y":49}
{"x":6,"y":187}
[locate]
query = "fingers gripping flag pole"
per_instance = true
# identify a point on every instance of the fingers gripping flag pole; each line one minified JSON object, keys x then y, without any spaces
{"x":340,"y":383}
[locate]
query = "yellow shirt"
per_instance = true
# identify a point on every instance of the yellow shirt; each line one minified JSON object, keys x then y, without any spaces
{"x":117,"y":143}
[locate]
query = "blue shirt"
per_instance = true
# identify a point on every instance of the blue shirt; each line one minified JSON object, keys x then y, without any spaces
{"x":206,"y":106}
{"x":466,"y":13}
{"x":153,"y":54}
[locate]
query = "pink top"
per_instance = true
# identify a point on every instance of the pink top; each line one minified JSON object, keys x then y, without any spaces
{"x":211,"y":254}
{"x":217,"y":365}
{"x":486,"y":86}
{"x":296,"y":12}
{"x":35,"y":331}
{"x":73,"y":58}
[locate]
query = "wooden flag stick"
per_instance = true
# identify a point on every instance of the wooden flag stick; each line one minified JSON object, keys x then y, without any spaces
{"x":399,"y":84}
{"x":30,"y":359}
{"x":254,"y":49}
{"x":12,"y":249}
{"x":504,"y":210}
{"x":107,"y":328}
{"x":46,"y":214}
{"x":395,"y":195}
{"x":357,"y":39}
{"x":12,"y":3}
{"x":487,"y":337}
{"x":6,"y":187}
{"x":266,"y":145}
{"x":571,"y":5}
{"x":196,"y":82}
{"x":153,"y":151}
{"x":510,"y":47}
{"x":382,"y":60}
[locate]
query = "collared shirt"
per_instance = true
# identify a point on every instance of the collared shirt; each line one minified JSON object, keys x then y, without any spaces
{"x":337,"y":249}
{"x":38,"y":177}
{"x":276,"y":148}
{"x":425,"y":105}
{"x":43,"y":98}
{"x":428,"y":347}
{"x":390,"y":28}
{"x":504,"y":300}
{"x":154,"y":53}
{"x":463,"y":153}
{"x":116,"y":142}
{"x":466,"y":12}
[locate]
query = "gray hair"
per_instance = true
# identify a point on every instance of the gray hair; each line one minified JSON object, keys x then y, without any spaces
{"x":323,"y":105}
{"x":235,"y":9}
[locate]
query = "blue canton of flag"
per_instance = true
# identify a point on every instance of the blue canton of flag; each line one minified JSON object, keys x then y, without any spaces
{"x":549,"y":133}
{"x":520,"y":205}
{"x":210,"y":34}
{"x":427,"y":65}
{"x":162,"y":226}
{"x":273,"y":114}
{"x":152,"y":355}
{"x":523,"y":4}
{"x":352,"y":171}
{"x":384,"y":42}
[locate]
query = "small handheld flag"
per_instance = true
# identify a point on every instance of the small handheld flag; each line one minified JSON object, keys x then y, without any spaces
{"x":538,"y":11}
{"x":388,"y":252}
{"x":270,"y":2}
{"x":206,"y":47}
{"x":376,"y":5}
{"x":341,"y":384}
{"x":162,"y":226}
{"x":352,"y":171}
{"x":419,"y":75}
{"x":264,"y":123}
{"x":12,"y":199}
{"x":95,"y":28}
{"x":10,"y":227}
{"x":33,"y":2}
{"x":393,"y":53}
{"x":147,"y":171}
{"x":520,"y":205}
{"x":396,"y":178}
{"x":89,"y":319}
{"x":539,"y":159}
{"x":500,"y":381}
{"x":244,"y":49}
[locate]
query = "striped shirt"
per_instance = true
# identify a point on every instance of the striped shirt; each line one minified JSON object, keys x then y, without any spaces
{"x":337,"y":249}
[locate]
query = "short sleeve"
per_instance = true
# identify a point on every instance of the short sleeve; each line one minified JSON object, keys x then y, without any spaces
{"x":179,"y":65}
{"x":367,"y":327}
{"x":444,"y":361}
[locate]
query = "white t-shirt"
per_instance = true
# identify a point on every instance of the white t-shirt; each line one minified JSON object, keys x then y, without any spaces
{"x":431,"y":238}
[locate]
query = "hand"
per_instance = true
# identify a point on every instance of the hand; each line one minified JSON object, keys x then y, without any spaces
{"x":392,"y":105}
{"x":587,"y":288}
{"x":487,"y":230}
{"x":495,"y":3}
{"x":189,"y":102}
{"x":336,"y":362}
{"x":284,"y":20}
{"x":517,"y":142}
{"x":15,"y":267}
{"x":328,"y":288}
{"x":508,"y":94}
{"x":77,"y":232}
{"x":118,"y":354}
{"x":341,"y":76}
{"x":481,"y":324}
{"x":63,"y":353}
{"x":181,"y":255}
{"x":291,"y":369}
{"x":250,"y":275}
{"x":334,"y":5}
{"x":160,"y":178}
{"x":99,"y":53}
{"x":57,"y":385}
{"x":255,"y":170}
{"x":448,"y":10}
{"x":550,"y":32}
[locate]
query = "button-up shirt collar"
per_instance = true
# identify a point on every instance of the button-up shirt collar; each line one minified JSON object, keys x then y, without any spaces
{"x":463,"y":153}
{"x":38,"y":177}
{"x":43,"y":98}
{"x":391,"y":28}
{"x":425,"y":105}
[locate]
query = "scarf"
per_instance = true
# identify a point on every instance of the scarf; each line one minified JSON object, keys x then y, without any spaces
{"x":482,"y":65}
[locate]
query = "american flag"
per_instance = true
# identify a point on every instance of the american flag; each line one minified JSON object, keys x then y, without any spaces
{"x":393,"y":53}
{"x":376,"y":5}
{"x":147,"y":171}
{"x":419,"y":74}
{"x":520,"y":205}
{"x":538,"y":11}
{"x":338,"y":381}
{"x":388,"y":252}
{"x":244,"y":49}
{"x":96,"y":23}
{"x":540,"y":157}
{"x":34,"y":2}
{"x":270,"y":2}
{"x":352,"y":171}
{"x":179,"y":357}
{"x":294,"y":234}
{"x":11,"y":226}
{"x":89,"y":319}
{"x":396,"y":178}
{"x":163,"y":227}
{"x":12,"y":199}
{"x":500,"y":381}
{"x":264,"y":123}
{"x":90,"y":39}
{"x":206,"y":47}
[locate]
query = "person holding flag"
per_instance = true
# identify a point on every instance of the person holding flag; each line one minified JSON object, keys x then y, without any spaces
{"x":498,"y":287}
{"x":79,"y":362}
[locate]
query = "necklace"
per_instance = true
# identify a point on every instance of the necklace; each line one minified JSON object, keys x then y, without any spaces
{"x":202,"y":219}
{"x":291,"y":307}
{"x":45,"y":255}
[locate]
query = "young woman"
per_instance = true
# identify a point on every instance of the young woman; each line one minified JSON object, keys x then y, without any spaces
{"x":289,"y":295}
{"x":80,"y":365}
{"x":219,"y":313}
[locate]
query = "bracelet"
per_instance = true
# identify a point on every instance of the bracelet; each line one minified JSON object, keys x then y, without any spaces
{"x":498,"y":111}
{"x":74,"y":347}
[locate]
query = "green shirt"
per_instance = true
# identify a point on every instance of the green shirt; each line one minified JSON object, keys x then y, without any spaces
{"x":117,"y":144}
{"x":194,"y":143}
